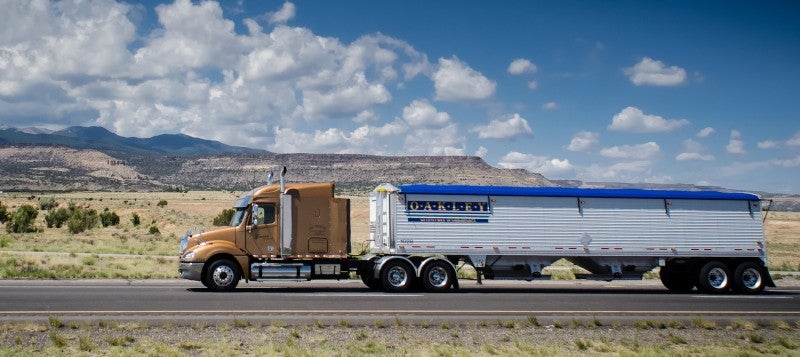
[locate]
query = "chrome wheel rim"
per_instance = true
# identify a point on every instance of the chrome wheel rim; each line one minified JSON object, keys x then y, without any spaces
{"x":223,"y":275}
{"x":717,"y":278}
{"x":751,"y":278}
{"x":437,"y":276}
{"x":397,"y":276}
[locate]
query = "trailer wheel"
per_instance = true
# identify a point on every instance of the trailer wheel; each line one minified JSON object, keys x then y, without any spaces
{"x":677,"y":281}
{"x":222,"y":275}
{"x":437,"y":277}
{"x":714,"y":278}
{"x":748,"y":278}
{"x":397,"y":275}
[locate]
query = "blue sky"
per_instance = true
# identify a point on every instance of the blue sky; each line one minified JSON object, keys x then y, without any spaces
{"x":632,"y":91}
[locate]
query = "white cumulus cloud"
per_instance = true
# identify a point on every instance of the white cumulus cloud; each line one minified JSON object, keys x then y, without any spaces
{"x":511,"y":127}
{"x":693,"y":150}
{"x":632,"y":119}
{"x":583,"y":141}
{"x":735,"y":144}
{"x":521,"y":66}
{"x":686,"y":156}
{"x":768,"y":144}
{"x":456,"y":81}
{"x":431,"y":132}
{"x":420,"y":113}
{"x":652,"y":72}
{"x":705,"y":132}
{"x":544,"y":165}
{"x":634,"y":171}
{"x":639,"y":151}
{"x":286,"y":13}
{"x":795,"y":140}
{"x":481,"y":152}
{"x":550,"y":106}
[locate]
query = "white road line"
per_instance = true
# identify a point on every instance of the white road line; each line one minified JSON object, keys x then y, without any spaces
{"x":741,"y":297}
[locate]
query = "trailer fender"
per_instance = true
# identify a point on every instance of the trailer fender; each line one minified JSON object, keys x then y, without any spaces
{"x":379,"y":263}
{"x":431,"y":259}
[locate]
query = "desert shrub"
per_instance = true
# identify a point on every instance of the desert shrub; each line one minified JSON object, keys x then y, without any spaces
{"x":48,"y":204}
{"x":162,"y":203}
{"x":56,"y":217}
{"x":109,"y":218}
{"x":224,"y":217}
{"x":22,"y":219}
{"x":154,"y":230}
{"x":82,"y":219}
{"x":3,"y":213}
{"x":135,"y":219}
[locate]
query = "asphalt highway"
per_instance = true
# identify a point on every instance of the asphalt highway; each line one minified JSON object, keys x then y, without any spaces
{"x":184,"y":301}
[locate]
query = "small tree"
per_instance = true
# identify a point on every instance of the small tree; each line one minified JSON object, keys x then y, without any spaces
{"x":47,"y":204}
{"x":109,"y":218}
{"x":135,"y":219}
{"x":82,"y":219}
{"x":154,"y":230}
{"x":3,"y":213}
{"x":56,"y":217}
{"x":22,"y":220}
{"x":224,"y":217}
{"x":162,"y":203}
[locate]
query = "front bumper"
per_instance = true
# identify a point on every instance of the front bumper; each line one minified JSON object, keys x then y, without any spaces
{"x":190,"y":271}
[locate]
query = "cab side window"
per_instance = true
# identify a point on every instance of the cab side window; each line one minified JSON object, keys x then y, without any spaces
{"x":266,"y":214}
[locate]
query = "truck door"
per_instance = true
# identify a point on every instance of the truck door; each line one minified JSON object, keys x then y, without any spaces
{"x":264,"y":237}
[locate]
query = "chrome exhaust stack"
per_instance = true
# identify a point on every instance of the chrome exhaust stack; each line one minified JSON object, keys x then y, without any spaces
{"x":283,"y":180}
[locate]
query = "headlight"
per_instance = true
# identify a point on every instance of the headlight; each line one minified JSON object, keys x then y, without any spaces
{"x":185,"y":241}
{"x":188,"y":256}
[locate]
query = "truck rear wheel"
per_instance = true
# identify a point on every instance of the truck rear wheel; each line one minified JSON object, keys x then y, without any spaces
{"x":714,"y":278}
{"x":397,"y":275}
{"x":677,"y":281}
{"x":437,"y":276}
{"x":222,"y":275}
{"x":748,"y":278}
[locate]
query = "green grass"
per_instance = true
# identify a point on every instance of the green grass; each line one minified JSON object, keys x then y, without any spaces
{"x":170,"y":339}
{"x":58,"y":266}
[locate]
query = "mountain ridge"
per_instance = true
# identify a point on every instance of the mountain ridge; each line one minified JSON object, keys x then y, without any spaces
{"x":103,"y":140}
{"x":93,"y":158}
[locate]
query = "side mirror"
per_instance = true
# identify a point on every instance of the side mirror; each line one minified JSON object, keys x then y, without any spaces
{"x":254,"y":215}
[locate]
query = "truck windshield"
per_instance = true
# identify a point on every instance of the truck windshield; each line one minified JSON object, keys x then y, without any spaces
{"x":238,"y":216}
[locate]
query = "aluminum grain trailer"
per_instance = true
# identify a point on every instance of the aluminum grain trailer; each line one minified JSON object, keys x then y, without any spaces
{"x":710,"y":240}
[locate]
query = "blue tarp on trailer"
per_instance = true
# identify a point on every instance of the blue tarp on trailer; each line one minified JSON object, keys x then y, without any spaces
{"x":573,"y":192}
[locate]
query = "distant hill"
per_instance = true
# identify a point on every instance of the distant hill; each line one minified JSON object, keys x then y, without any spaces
{"x":100,"y":139}
{"x":93,"y":158}
{"x":40,"y":167}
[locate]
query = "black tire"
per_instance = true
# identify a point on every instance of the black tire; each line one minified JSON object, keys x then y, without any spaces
{"x":438,"y":276}
{"x":368,"y":278}
{"x":714,"y":278}
{"x":222,"y":275}
{"x":677,"y":281}
{"x":397,"y":275}
{"x":748,"y":278}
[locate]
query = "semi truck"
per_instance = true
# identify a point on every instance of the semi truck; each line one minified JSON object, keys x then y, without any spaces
{"x":420,"y":235}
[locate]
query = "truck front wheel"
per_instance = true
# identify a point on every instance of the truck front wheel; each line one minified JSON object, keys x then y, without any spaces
{"x":397,"y":275}
{"x":437,"y":276}
{"x":222,"y":275}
